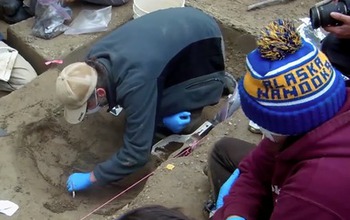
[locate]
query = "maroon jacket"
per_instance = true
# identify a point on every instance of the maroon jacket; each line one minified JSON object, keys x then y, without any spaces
{"x":308,"y":180}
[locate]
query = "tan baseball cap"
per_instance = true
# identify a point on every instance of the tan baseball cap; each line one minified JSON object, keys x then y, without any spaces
{"x":74,"y":86}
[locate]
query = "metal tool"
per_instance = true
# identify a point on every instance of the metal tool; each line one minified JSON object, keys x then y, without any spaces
{"x":159,"y":147}
{"x":266,"y":3}
{"x":232,"y":103}
{"x":254,"y":128}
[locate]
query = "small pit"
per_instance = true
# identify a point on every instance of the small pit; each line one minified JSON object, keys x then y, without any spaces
{"x":57,"y":149}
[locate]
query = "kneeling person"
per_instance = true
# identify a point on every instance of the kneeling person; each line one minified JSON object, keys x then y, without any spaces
{"x":158,"y":68}
{"x":15,"y":71}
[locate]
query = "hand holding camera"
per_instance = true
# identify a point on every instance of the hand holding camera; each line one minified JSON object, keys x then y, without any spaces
{"x":342,"y":31}
{"x":333,"y":16}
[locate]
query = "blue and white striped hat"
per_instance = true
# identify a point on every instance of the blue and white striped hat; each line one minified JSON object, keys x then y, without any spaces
{"x":290,"y":86}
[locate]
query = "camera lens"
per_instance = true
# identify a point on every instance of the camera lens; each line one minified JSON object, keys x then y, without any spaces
{"x":315,"y":17}
{"x":320,"y":16}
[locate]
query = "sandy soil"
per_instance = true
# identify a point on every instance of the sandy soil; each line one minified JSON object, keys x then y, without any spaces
{"x":42,"y":149}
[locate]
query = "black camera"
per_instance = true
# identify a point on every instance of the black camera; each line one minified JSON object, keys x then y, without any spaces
{"x":320,"y":13}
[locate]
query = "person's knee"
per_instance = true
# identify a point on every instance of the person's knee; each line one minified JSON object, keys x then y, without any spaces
{"x":21,"y":77}
{"x":220,"y":147}
{"x":223,"y":144}
{"x":231,"y":150}
{"x":22,"y":73}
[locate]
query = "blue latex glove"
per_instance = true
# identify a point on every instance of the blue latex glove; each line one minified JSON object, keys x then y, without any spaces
{"x":78,"y":181}
{"x":235,"y":218}
{"x":176,"y":123}
{"x":225,"y":188}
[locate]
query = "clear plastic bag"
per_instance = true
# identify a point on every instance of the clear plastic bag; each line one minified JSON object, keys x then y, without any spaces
{"x":307,"y":32}
{"x":89,"y":21}
{"x":50,"y":19}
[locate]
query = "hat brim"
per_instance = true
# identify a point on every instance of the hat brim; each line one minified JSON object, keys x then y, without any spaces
{"x":75,"y":116}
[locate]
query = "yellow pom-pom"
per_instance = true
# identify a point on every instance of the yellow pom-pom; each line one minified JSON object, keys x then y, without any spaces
{"x":278,"y":39}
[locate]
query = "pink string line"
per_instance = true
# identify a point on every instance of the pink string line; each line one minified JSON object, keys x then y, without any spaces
{"x":185,"y":152}
{"x":119,"y":194}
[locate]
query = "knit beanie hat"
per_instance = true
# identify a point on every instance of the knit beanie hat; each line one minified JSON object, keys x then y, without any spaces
{"x":290,"y":86}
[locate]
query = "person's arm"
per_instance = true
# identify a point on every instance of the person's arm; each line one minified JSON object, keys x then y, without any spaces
{"x":290,"y":207}
{"x":140,"y":103}
{"x":342,"y":31}
{"x":313,"y":191}
{"x":253,"y":185}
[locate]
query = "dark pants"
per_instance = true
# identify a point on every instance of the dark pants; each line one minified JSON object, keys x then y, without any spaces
{"x":224,"y":159}
{"x":338,"y":52}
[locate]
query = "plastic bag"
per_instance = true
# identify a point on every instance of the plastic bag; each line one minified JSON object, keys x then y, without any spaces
{"x":13,"y":11}
{"x":50,"y":18}
{"x":10,"y":7}
{"x":89,"y":21}
{"x":307,"y":32}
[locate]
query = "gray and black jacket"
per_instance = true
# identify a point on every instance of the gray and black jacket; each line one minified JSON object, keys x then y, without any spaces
{"x":158,"y":65}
